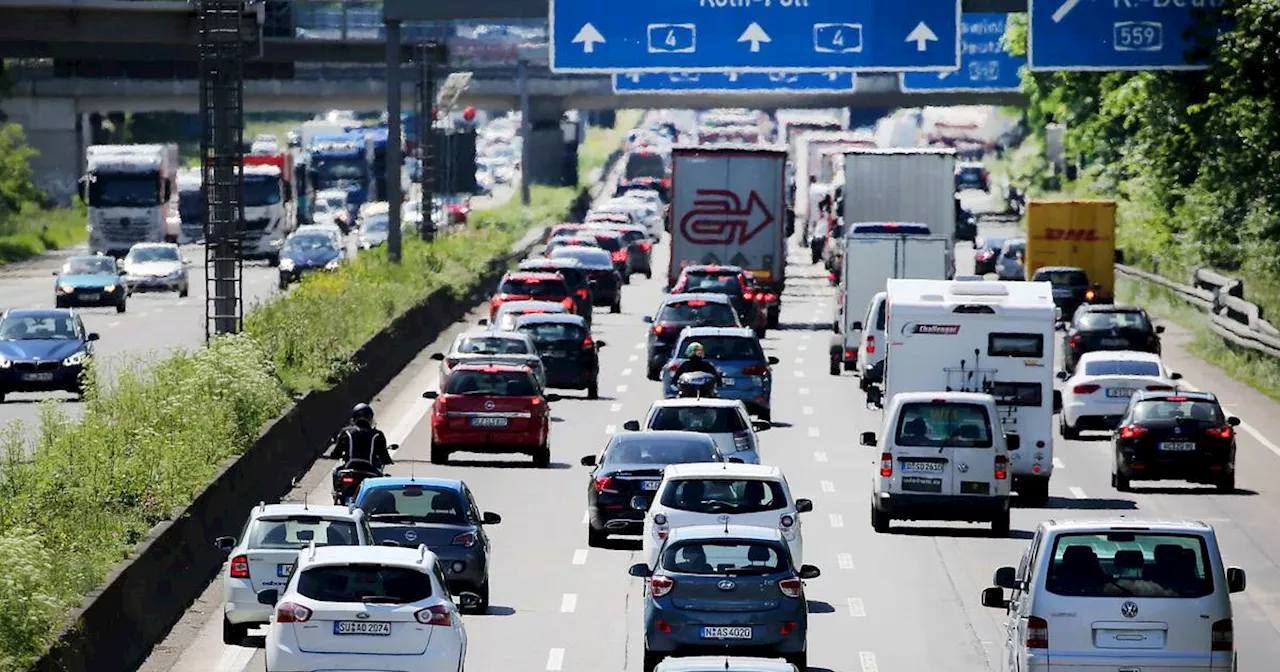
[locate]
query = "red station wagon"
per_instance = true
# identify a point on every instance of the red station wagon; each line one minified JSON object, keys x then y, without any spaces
{"x":491,"y":408}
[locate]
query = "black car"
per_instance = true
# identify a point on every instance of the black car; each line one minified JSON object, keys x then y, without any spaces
{"x":985,"y":254}
{"x":627,"y":472}
{"x":575,"y":278}
{"x":618,"y":249}
{"x":606,"y":284}
{"x":972,"y":176}
{"x":1108,"y":327}
{"x":1070,"y":285}
{"x":570,"y":357}
{"x":1175,"y":435}
{"x":677,"y":312}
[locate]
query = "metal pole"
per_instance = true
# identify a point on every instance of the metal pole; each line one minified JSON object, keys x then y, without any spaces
{"x":394,"y":160}
{"x":429,"y":149}
{"x":522,"y":86}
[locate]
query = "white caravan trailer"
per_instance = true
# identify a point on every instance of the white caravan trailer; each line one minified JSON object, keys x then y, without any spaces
{"x":995,"y":338}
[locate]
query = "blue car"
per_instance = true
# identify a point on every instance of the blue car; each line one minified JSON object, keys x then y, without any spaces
{"x":736,"y":352}
{"x":90,"y":281}
{"x":307,"y":251}
{"x":43,"y":350}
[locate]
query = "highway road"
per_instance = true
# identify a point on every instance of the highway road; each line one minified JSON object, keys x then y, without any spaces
{"x":904,"y":601}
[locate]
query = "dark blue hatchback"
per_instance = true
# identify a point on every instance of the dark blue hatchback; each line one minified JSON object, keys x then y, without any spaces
{"x":43,"y":350}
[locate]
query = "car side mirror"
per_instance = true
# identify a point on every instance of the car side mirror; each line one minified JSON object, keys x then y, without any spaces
{"x":1233,"y":421}
{"x":439,"y":357}
{"x":1057,"y":401}
{"x":1159,"y":330}
{"x":868,"y":438}
{"x":57,"y":273}
{"x":1012,"y":441}
{"x":1061,"y":326}
{"x":856,"y":326}
{"x":553,"y":397}
{"x":601,"y":344}
{"x":647,"y":319}
{"x":490,"y":518}
{"x":809,"y":572}
{"x":484,"y":322}
{"x":588,"y":461}
{"x":1006,"y":577}
{"x":393,"y":447}
{"x":631,"y":425}
{"x":1235,"y":580}
{"x":772,"y":361}
{"x":1175,"y":376}
{"x":92,"y":337}
{"x":430,"y":394}
{"x":761,"y":425}
{"x":639,"y":503}
{"x":993,"y":598}
{"x":1062,"y":375}
{"x":640,"y":570}
{"x":225,"y":544}
{"x":390,"y":543}
{"x":269,"y":597}
{"x":804,"y":505}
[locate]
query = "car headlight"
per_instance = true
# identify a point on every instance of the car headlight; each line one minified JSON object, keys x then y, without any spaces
{"x":109,"y":288}
{"x":66,"y":289}
{"x":287,"y":265}
{"x":76,"y":359}
{"x":5,"y":363}
{"x":332,"y":266}
{"x":175,"y":273}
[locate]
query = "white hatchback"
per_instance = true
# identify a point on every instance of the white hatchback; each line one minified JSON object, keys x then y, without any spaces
{"x":726,"y":421}
{"x":365,"y":608}
{"x":872,"y":349}
{"x":1097,"y":395}
{"x":726,"y":493}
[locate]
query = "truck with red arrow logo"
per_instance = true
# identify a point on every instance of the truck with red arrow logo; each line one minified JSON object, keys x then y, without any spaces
{"x":728,"y":206}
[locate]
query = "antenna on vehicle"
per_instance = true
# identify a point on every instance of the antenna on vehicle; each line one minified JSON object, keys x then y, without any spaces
{"x":304,"y":501}
{"x":412,"y":468}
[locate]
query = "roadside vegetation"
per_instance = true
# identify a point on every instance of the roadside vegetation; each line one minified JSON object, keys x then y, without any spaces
{"x":26,"y":228}
{"x":602,"y":142}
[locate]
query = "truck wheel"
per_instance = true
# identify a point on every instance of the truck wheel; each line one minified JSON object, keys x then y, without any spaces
{"x":1000,"y":526}
{"x":835,"y":364}
{"x":773,"y":317}
{"x":120,"y":306}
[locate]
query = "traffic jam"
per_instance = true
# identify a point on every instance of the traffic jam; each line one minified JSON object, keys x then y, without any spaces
{"x":775,"y":237}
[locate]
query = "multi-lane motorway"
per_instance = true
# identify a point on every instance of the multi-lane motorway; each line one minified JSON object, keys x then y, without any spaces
{"x":905,"y":601}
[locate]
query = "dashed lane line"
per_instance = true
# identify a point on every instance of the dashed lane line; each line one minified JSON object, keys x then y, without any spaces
{"x":113,"y":324}
{"x":837,"y":520}
{"x":799,"y":360}
{"x":802,"y":347}
{"x":1078,"y":492}
{"x":639,"y":346}
{"x":615,"y":407}
{"x":622,"y":389}
{"x":845,"y":561}
{"x":813,"y":432}
{"x":808,"y":410}
{"x":586,"y":517}
{"x":868,"y":661}
{"x":633,"y":358}
{"x":580,"y":556}
{"x":568,"y":603}
{"x":555,"y":660}
{"x":799,"y":374}
{"x":803,"y":390}
{"x":828,"y":486}
{"x":610,"y":429}
{"x":820,"y":456}
{"x":856,"y":609}
{"x":1058,"y":463}
{"x":626,"y":372}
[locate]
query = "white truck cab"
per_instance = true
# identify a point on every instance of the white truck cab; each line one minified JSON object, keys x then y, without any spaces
{"x":132,"y":196}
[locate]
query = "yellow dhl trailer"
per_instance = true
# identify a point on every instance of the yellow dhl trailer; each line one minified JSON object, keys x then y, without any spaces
{"x":1073,"y":233}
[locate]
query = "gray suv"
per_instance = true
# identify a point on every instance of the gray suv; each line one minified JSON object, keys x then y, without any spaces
{"x":726,"y":589}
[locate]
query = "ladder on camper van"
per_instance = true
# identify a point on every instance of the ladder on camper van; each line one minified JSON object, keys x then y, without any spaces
{"x":970,"y":376}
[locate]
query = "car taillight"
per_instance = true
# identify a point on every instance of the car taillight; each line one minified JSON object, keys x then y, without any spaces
{"x":1085,"y":389}
{"x":1089,"y":295}
{"x":348,"y":480}
{"x":1002,"y":467}
{"x":437,"y":615}
{"x":769,"y":298}
{"x":588,"y":343}
{"x":871,"y":345}
{"x":1220,"y":432}
{"x":466,"y":539}
{"x":748,"y":296}
{"x":850,"y":354}
{"x":832,"y":277}
{"x":756,"y":370}
{"x":791,"y":587}
{"x":605,"y":484}
{"x":646,"y":246}
{"x":582,"y":293}
{"x":240,"y":567}
{"x":666,"y":182}
{"x":742,"y":441}
{"x":619,"y":255}
{"x":658,"y":329}
{"x":1224,"y":637}
{"x":1037,"y":633}
{"x":1074,"y":341}
{"x":567,"y":302}
{"x":886,"y":464}
{"x":660,"y":585}
{"x":1132,"y":431}
{"x":292,"y":613}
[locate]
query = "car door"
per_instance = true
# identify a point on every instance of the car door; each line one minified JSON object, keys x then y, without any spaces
{"x":751,"y":430}
{"x":476,"y":517}
{"x":796,"y":541}
{"x":1020,"y":604}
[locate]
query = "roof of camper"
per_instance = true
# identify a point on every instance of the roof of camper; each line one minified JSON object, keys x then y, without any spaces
{"x":1007,"y":295}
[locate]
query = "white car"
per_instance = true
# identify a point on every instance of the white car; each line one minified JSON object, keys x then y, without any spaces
{"x":1097,"y":395}
{"x":492,"y":346}
{"x":728,"y":493}
{"x":156,"y":267}
{"x":264,"y":558}
{"x":726,"y":421}
{"x":365,"y":608}
{"x":509,"y":312}
{"x":871,"y":352}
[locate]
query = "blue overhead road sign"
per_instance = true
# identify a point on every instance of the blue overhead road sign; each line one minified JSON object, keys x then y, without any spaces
{"x":734,"y":82}
{"x":984,"y":63}
{"x":754,"y":35}
{"x":1114,"y":34}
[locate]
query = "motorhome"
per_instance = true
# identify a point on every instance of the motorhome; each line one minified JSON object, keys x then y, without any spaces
{"x":993,"y":338}
{"x":132,"y":195}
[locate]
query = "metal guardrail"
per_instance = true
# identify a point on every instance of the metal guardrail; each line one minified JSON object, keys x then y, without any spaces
{"x":1222,"y":299}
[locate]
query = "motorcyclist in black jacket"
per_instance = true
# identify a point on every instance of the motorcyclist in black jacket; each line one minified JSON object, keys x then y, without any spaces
{"x":696,"y":361}
{"x":360,"y":440}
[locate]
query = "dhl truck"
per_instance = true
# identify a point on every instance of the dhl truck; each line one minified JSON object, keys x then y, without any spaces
{"x":1066,"y":237}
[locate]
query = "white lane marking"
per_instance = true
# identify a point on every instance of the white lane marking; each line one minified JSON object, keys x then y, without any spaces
{"x":1244,"y":426}
{"x":580,"y":556}
{"x":828,"y":486}
{"x":555,"y":660}
{"x":799,"y":374}
{"x":615,"y":407}
{"x":813,"y":432}
{"x":804,"y":390}
{"x":799,"y":360}
{"x":181,"y":303}
{"x":845,"y":561}
{"x":622,"y":388}
{"x":837,"y":520}
{"x":639,"y":346}
{"x":802,"y":347}
{"x":820,"y":456}
{"x":234,"y":658}
{"x":808,"y":410}
{"x":856,"y":609}
{"x":157,"y":311}
{"x":1058,"y":464}
{"x":568,"y":602}
{"x":626,"y":372}
{"x":868,"y":661}
{"x":113,"y":323}
{"x":586,"y":517}
{"x":1078,"y":492}
{"x":633,"y":358}
{"x":610,"y":429}
{"x":806,"y":336}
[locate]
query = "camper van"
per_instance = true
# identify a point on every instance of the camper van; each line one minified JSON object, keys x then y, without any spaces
{"x":993,"y":338}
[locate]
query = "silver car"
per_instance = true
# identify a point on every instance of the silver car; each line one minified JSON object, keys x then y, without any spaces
{"x":1009,"y":263}
{"x":505,"y":318}
{"x":156,"y":267}
{"x":508,"y":347}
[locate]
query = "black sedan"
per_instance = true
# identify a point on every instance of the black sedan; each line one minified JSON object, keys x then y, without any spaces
{"x":1175,"y":435}
{"x":626,"y":474}
{"x":570,"y":357}
{"x":1070,"y":285}
{"x":575,"y":278}
{"x":1108,"y":327}
{"x":606,"y":284}
{"x":675,"y":314}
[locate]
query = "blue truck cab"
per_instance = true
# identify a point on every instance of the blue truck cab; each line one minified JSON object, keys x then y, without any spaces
{"x":339,"y":161}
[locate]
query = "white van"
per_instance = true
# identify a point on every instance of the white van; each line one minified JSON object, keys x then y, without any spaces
{"x":1119,"y":595}
{"x":872,"y":349}
{"x":942,"y":457}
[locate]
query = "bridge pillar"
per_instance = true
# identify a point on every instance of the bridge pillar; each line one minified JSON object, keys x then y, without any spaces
{"x":552,"y":153}
{"x":53,"y":128}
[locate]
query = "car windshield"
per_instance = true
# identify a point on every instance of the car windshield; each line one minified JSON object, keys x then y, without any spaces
{"x":309,"y":243}
{"x":1106,"y":321}
{"x":1168,"y":410}
{"x":129,"y":190}
{"x":736,"y":558}
{"x":377,"y":224}
{"x":727,"y":348}
{"x":536,"y":287}
{"x":89,"y":266}
{"x":419,"y":503}
{"x":1128,"y":564}
{"x":938,"y":425}
{"x":333,"y":170}
{"x":148,"y":254}
{"x":612,"y":243}
{"x":492,"y":345}
{"x":704,"y":313}
{"x":1121,"y":368}
{"x":704,"y":419}
{"x":591,"y":258}
{"x":724,"y":495}
{"x":712,"y":282}
{"x":299,"y":531}
{"x":550,"y":332}
{"x":491,"y":384}
{"x":260,"y":190}
{"x":645,"y":450}
{"x":1063,"y":278}
{"x":38,"y":328}
{"x":368,"y":583}
{"x":646,"y":165}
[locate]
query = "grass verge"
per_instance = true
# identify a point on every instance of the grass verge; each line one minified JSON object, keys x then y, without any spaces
{"x":34,"y":231}
{"x":601,"y":142}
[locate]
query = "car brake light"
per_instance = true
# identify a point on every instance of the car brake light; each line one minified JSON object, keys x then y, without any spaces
{"x":289,"y":612}
{"x":1088,"y":296}
{"x":619,"y":255}
{"x":348,"y":480}
{"x":1002,"y":467}
{"x":748,"y":296}
{"x":467,"y":539}
{"x":646,"y":246}
{"x":1220,"y":432}
{"x":567,"y":303}
{"x":831,"y":276}
{"x":582,"y":293}
{"x":240,"y":567}
{"x":1132,"y":431}
{"x":437,"y":615}
{"x":886,"y":464}
{"x":658,"y":329}
{"x":1085,"y":389}
{"x":871,"y":345}
{"x":666,"y":182}
{"x":791,"y":587}
{"x":588,"y":343}
{"x":756,"y":370}
{"x":1074,"y":341}
{"x":696,"y":303}
{"x":1038,"y":633}
{"x":605,"y":484}
{"x":1177,"y":399}
{"x":769,"y":297}
{"x":660,"y":585}
{"x":1223,"y":637}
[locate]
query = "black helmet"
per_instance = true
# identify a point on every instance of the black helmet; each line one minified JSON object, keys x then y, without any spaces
{"x":362,"y":413}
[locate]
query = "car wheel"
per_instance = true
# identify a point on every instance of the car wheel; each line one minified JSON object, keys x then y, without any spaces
{"x":593,"y":390}
{"x":482,"y":603}
{"x":616,"y":307}
{"x":1034,"y":491}
{"x":1120,"y":482}
{"x":1068,"y":432}
{"x":596,"y":538}
{"x":284,"y":283}
{"x":879,"y":520}
{"x":59,"y":303}
{"x":773,"y":318}
{"x":438,"y":454}
{"x":542,"y":457}
{"x":182,"y":293}
{"x":626,"y":278}
{"x":648,"y":275}
{"x":800,"y":660}
{"x":835,"y":364}
{"x":653,"y":373}
{"x":1000,"y":526}
{"x":766,"y":414}
{"x":120,"y":307}
{"x":233,"y":634}
{"x":1228,"y":483}
{"x":652,"y":659}
{"x":2,"y":393}
{"x":760,"y":332}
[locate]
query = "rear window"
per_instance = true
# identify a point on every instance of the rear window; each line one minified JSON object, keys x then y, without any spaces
{"x":954,"y":425}
{"x":557,"y":231}
{"x":610,"y":244}
{"x":727,"y":348}
{"x":535,"y":288}
{"x":738,"y":558}
{"x":1015,"y":249}
{"x":1163,"y":410}
{"x":1017,"y":394}
{"x":549,"y":332}
{"x":1015,"y":345}
{"x":970,"y":174}
{"x":712,"y":282}
{"x":724,"y":495}
{"x":633,"y":236}
{"x":1063,"y":278}
{"x":1121,"y":368}
{"x":414,"y":503}
{"x":704,"y":419}
{"x":498,"y":384}
{"x":1128,"y":564}
{"x":646,"y":165}
{"x":483,"y":345}
{"x":702,"y":313}
{"x":364,"y":583}
{"x":588,"y":256}
{"x":298,"y":531}
{"x":647,"y":450}
{"x":1104,"y":321}
{"x":892,"y":229}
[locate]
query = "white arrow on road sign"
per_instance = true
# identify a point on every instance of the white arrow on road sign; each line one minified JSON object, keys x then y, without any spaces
{"x":1064,"y":10}
{"x":588,"y":37}
{"x":945,"y":74}
{"x":635,"y":77}
{"x":733,"y":76}
{"x":831,"y":76}
{"x":755,"y":35}
{"x":921,"y":36}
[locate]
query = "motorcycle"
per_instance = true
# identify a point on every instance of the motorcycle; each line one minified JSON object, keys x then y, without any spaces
{"x":697,"y":385}
{"x":349,"y":478}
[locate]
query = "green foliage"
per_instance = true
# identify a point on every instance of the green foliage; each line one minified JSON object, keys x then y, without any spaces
{"x":16,"y":186}
{"x":601,"y":142}
{"x":34,"y":231}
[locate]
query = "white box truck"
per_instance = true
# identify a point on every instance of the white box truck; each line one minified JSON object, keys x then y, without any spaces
{"x":993,"y":338}
{"x":901,"y":185}
{"x":807,"y":158}
{"x":132,"y":196}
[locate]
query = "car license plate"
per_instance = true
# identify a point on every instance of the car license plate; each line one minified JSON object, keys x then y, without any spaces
{"x":728,"y":382}
{"x":1061,"y":293}
{"x":649,"y":485}
{"x":488,"y":422}
{"x":90,"y":297}
{"x":38,"y":377}
{"x":1124,"y":392}
{"x":923,"y":467}
{"x":726,"y":632}
{"x":361,"y":628}
{"x":1178,"y":446}
{"x":284,"y":570}
{"x":1114,"y":342}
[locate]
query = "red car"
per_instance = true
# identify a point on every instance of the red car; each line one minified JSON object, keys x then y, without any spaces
{"x":531,"y":286}
{"x":491,"y":408}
